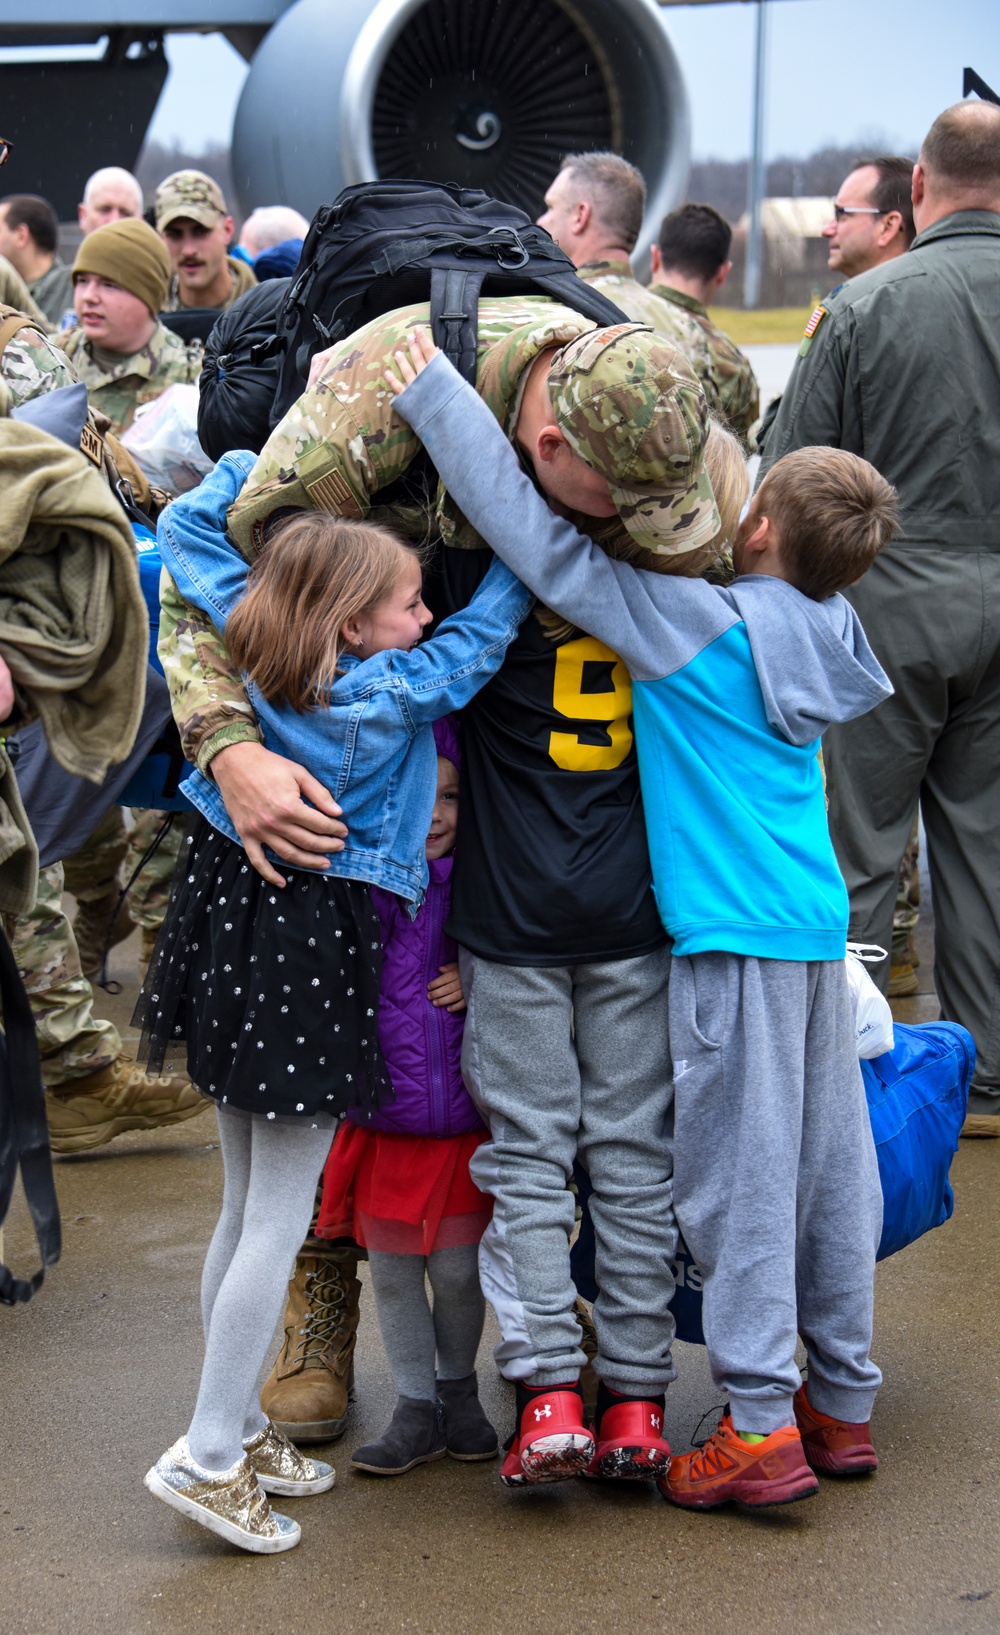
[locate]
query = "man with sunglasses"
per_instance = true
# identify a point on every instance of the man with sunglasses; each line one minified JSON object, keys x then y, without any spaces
{"x":872,"y":218}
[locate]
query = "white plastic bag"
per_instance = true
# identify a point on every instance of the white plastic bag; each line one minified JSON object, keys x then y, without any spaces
{"x":873,"y":1033}
{"x":163,"y":440}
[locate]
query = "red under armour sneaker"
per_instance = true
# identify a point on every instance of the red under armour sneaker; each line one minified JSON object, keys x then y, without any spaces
{"x":630,"y":1443}
{"x":755,"y":1473}
{"x":834,"y":1446}
{"x":552,"y":1442}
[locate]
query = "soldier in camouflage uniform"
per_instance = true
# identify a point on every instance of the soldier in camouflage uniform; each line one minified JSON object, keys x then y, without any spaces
{"x":126,"y":357}
{"x":14,"y":292}
{"x":594,"y":211}
{"x":120,"y":350}
{"x":197,"y":229}
{"x":628,"y":410}
{"x":94,"y":1090}
{"x":690,"y":265}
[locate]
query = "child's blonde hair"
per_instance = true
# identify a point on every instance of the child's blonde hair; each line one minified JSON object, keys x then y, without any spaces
{"x":726,"y":465}
{"x":315,"y":573}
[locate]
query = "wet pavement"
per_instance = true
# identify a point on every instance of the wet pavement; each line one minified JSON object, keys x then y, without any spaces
{"x":99,"y":1374}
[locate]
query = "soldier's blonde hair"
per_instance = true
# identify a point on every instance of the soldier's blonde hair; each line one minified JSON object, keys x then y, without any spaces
{"x":315,"y":573}
{"x":726,"y":467}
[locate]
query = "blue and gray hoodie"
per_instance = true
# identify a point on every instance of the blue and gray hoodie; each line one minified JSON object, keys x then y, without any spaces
{"x":732,"y":691}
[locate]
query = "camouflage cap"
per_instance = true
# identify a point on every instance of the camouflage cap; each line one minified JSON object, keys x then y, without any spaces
{"x":629,"y":404}
{"x":188,"y":193}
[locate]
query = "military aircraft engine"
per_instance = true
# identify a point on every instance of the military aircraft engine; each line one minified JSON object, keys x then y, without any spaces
{"x":489,"y":93}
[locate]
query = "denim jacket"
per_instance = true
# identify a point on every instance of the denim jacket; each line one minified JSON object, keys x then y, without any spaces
{"x":372,"y":747}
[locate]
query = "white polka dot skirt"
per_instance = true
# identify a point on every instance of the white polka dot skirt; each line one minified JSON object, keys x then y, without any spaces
{"x":270,"y":993}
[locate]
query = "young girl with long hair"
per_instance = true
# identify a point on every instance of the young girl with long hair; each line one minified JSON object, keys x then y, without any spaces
{"x":275,"y":992}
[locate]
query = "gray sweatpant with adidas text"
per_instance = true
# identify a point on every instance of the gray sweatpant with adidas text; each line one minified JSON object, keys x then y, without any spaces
{"x":776,"y":1185}
{"x":562,"y":1060}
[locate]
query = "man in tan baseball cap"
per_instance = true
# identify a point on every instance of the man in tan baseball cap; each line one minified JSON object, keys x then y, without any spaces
{"x":196,"y":227}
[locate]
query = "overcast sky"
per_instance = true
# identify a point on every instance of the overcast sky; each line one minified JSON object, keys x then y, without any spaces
{"x":839,"y":71}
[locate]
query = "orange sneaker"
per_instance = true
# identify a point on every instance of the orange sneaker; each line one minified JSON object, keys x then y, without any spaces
{"x":754,"y":1473}
{"x":835,"y":1446}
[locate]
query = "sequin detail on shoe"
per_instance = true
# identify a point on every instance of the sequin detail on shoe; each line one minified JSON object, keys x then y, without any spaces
{"x":281,"y":1468}
{"x":230,"y":1503}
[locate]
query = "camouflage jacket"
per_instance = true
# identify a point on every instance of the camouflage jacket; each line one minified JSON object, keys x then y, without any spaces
{"x":31,"y":364}
{"x":616,"y":280}
{"x":118,"y":389}
{"x":53,"y":292}
{"x":337,"y":450}
{"x":729,"y":381}
{"x":243,"y":279}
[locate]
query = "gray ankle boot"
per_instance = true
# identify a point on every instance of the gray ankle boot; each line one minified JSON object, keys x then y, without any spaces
{"x":414,"y":1436}
{"x":468,"y":1432}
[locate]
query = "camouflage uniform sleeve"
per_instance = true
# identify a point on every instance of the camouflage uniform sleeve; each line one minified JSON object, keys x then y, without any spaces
{"x":339,"y":444}
{"x":207,"y":696}
{"x":31,"y":366}
{"x":739,"y":398}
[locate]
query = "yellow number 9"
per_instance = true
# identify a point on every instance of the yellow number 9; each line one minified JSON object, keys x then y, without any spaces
{"x":613,"y":707}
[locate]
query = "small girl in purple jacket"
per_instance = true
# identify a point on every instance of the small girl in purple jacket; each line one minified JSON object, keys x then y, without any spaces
{"x":398,"y":1181}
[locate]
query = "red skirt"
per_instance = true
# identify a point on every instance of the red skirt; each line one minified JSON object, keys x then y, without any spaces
{"x":403,"y":1194}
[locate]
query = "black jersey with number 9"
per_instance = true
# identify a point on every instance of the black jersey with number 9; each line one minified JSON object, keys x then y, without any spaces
{"x":552,"y":866}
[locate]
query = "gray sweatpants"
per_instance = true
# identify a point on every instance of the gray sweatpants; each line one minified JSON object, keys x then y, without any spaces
{"x":932,"y":619}
{"x":562,"y":1060}
{"x":776,"y":1183}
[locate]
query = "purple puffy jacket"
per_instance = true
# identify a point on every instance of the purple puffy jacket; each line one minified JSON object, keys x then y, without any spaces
{"x":422,"y":1046}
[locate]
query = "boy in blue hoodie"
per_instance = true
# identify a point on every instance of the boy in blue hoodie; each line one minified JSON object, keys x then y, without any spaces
{"x":776,"y":1185}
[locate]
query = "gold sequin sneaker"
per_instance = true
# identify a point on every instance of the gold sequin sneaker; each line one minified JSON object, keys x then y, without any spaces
{"x":230,"y":1503}
{"x":281,"y":1468}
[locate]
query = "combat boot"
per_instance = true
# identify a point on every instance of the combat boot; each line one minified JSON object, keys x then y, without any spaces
{"x":307,"y":1391}
{"x":99,"y":926}
{"x":92,"y":1110}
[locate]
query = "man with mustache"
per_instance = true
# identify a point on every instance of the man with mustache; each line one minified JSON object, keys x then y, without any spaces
{"x":196,"y":227}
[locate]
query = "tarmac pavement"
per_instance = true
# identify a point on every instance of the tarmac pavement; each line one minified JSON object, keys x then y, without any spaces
{"x":99,"y":1374}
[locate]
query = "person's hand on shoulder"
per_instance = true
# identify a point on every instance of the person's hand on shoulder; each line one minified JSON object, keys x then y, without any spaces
{"x":422,"y":350}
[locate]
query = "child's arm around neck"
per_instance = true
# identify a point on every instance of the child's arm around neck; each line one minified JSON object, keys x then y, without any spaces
{"x":627,"y":608}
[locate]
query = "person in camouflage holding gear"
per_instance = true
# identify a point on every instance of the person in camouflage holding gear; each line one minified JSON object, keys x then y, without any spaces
{"x":94,"y":1090}
{"x":614,"y":438}
{"x":195,"y":225}
{"x":690,"y":265}
{"x":120,"y":350}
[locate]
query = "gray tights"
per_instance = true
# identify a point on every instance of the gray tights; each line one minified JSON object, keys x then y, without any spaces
{"x":271,"y":1170}
{"x":411,"y":1333}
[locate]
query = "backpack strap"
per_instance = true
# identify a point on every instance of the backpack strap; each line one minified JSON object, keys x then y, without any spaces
{"x":455,"y":316}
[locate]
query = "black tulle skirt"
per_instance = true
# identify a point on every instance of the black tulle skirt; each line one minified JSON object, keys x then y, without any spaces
{"x":270,"y":994}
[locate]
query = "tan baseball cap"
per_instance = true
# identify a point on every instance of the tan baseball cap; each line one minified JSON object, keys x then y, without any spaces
{"x":629,"y":404}
{"x":188,"y":193}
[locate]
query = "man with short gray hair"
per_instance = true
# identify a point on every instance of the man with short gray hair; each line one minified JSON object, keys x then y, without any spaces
{"x":111,"y":194}
{"x":904,"y":369}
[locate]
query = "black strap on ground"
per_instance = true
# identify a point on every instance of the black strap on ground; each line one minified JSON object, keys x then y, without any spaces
{"x":24,"y":1131}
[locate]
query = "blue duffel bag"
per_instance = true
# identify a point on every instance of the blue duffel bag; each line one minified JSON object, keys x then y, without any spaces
{"x":917,"y":1094}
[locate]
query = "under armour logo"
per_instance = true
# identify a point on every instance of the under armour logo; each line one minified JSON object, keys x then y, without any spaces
{"x":544,"y":1413}
{"x":655,"y":1421}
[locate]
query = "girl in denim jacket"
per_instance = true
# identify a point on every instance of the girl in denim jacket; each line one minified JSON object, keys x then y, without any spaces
{"x":275,"y":992}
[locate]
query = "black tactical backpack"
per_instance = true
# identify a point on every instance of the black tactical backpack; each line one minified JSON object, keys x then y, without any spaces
{"x":236,"y":390}
{"x":379,"y":246}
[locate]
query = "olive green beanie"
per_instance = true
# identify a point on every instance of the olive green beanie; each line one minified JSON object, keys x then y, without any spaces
{"x":129,"y":253}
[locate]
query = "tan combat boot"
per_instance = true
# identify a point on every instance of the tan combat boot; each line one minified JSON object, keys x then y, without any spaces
{"x":93,"y":1110}
{"x":98,"y":925}
{"x":307,"y":1391}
